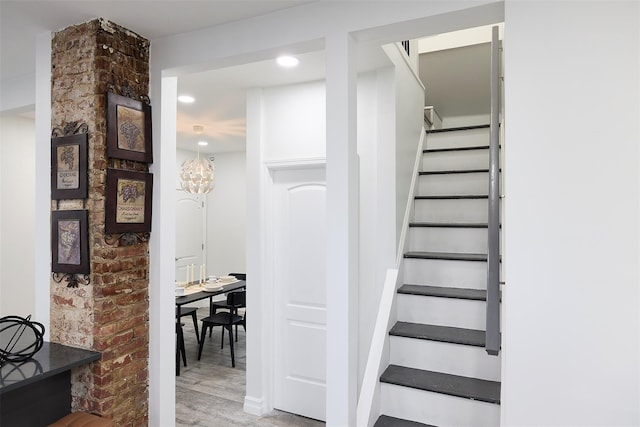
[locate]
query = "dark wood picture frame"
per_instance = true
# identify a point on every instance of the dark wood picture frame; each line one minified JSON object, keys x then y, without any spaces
{"x":70,"y":242}
{"x":128,"y":129}
{"x":128,"y":202}
{"x":69,"y":162}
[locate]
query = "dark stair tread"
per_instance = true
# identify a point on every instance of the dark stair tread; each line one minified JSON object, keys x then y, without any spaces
{"x":452,"y":172}
{"x":456,"y":129}
{"x":449,"y":224}
{"x":452,"y":256}
{"x":387,"y":421}
{"x":454,"y":197}
{"x":448,"y":149}
{"x":442,"y":292}
{"x":448,"y":334}
{"x":438,"y":382}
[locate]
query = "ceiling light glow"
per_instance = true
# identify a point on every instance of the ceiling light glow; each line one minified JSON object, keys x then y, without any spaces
{"x":287,"y":61}
{"x":203,"y":143}
{"x":186,"y":99}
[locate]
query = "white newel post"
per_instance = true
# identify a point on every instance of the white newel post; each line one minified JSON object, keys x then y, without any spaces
{"x":342,"y":226}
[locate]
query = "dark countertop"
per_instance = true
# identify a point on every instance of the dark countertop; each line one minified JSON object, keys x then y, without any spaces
{"x":51,"y":360}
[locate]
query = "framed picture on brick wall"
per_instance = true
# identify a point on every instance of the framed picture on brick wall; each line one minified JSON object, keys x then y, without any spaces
{"x":128,"y":202}
{"x":69,"y":167}
{"x":128,"y":129}
{"x":70,"y":242}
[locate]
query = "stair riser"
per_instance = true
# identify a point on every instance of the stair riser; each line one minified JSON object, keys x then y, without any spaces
{"x":459,"y":274}
{"x":453,"y":184}
{"x":459,"y":313}
{"x":455,"y":160}
{"x":467,"y":138}
{"x":456,"y":359}
{"x":441,"y":239}
{"x":436,"y":409}
{"x":457,"y":210}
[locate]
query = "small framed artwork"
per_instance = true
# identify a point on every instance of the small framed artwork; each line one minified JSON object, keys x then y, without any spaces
{"x":70,"y":242}
{"x":128,"y":202}
{"x":128,"y":129}
{"x":69,"y":167}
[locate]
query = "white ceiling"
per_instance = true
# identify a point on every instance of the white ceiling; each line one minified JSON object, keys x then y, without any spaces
{"x":220,"y":94}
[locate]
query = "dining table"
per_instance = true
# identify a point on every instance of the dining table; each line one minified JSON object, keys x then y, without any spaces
{"x":196,"y":292}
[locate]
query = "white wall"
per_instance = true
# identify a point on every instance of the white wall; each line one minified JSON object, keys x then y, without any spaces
{"x":408,"y":123}
{"x":17,"y":213}
{"x":225,"y":207}
{"x":227,"y":216}
{"x":308,"y":28}
{"x":376,"y":152}
{"x":285,"y":127}
{"x":571,"y":350}
{"x":295,"y":121}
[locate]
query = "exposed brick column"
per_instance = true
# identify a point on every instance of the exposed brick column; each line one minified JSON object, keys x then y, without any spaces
{"x":110,"y":314}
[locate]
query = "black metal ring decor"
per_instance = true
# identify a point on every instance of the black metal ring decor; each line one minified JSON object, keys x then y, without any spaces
{"x":16,"y":345}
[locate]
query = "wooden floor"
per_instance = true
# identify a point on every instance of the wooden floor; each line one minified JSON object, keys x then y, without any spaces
{"x":210,"y":392}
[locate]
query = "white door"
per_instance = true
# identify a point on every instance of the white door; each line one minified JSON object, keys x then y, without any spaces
{"x":300,"y":292}
{"x":190,"y":233}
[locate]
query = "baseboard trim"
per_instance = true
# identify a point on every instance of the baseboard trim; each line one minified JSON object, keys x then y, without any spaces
{"x":255,"y":406}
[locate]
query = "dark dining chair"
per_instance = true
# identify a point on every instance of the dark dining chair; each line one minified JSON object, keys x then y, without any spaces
{"x":226,"y":319}
{"x":180,"y":351}
{"x":193,"y":312}
{"x":217,"y":305}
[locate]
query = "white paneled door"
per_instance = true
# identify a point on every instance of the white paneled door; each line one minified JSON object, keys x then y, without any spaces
{"x":299,"y":220}
{"x":190,"y":233}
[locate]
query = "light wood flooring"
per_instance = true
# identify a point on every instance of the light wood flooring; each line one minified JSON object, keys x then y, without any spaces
{"x":210,"y":392}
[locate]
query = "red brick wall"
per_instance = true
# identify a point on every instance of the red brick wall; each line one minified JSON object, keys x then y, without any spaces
{"x":111,"y":314}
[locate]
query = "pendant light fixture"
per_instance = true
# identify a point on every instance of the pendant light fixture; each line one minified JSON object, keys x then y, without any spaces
{"x":197,"y":176}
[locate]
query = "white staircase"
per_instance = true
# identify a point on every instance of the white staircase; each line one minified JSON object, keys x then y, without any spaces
{"x":439,"y":372}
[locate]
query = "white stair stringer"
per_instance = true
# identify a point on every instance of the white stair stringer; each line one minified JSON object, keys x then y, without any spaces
{"x":437,"y":409}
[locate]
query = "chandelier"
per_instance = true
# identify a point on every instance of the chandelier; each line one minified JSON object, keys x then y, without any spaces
{"x":197,"y":176}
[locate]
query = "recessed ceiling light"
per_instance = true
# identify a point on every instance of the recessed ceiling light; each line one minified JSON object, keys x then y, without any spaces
{"x":203,"y":143}
{"x":287,"y":61}
{"x":186,"y":99}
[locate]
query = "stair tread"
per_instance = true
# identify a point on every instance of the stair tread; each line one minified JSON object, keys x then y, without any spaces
{"x":444,"y":292}
{"x":449,"y":224}
{"x":387,"y":421}
{"x":459,"y":128}
{"x":448,"y":149}
{"x":453,"y":256}
{"x":438,"y":382}
{"x":453,"y":171}
{"x":472,"y":337}
{"x":453,"y":197}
